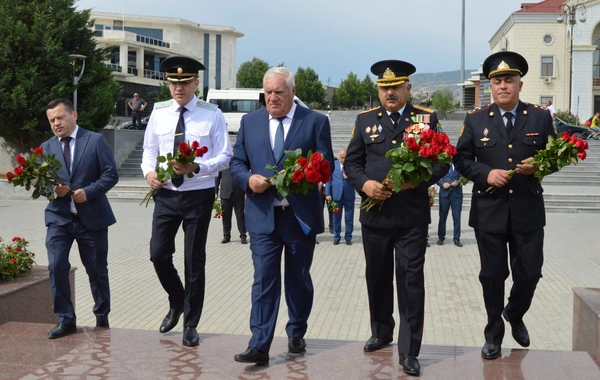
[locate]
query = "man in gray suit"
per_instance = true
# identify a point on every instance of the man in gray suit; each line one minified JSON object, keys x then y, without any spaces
{"x":89,"y":171}
{"x":232,"y":198}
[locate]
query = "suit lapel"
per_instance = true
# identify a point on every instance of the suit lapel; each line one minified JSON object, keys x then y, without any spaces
{"x":405,"y":120}
{"x":81,"y":142}
{"x":297,"y":121}
{"x":387,"y":122}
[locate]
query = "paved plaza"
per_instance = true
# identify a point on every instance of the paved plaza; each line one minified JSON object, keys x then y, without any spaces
{"x":454,"y":316}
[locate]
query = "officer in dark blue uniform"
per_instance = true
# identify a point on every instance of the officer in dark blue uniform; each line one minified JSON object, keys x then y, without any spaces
{"x":400,"y":226}
{"x":510,"y":220}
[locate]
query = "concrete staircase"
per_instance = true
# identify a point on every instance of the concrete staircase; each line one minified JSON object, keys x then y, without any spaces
{"x":572,"y":190}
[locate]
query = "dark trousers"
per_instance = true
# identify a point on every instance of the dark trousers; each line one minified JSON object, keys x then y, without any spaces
{"x":267,"y":250}
{"x":347,"y":208}
{"x":193,"y":209}
{"x":233,"y":204}
{"x":449,"y":199}
{"x":526,"y":260}
{"x":93,"y":251}
{"x":136,"y":120}
{"x":329,"y":212}
{"x":409,"y":245}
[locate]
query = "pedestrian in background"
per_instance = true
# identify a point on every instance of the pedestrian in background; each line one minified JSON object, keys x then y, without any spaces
{"x":450,"y":197}
{"x":137,"y":106}
{"x":232,"y":200}
{"x":339,"y":190}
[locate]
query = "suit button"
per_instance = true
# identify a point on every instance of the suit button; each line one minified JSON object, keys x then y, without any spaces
{"x":509,"y":146}
{"x":510,"y":160}
{"x":510,"y":191}
{"x":478,"y":191}
{"x":394,"y":142}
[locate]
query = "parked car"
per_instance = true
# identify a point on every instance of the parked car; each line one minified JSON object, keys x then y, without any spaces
{"x":581,"y":132}
{"x":129,"y":124}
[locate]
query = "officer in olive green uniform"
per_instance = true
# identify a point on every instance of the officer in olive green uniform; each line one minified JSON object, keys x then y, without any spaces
{"x":493,"y":141}
{"x":401,"y":224}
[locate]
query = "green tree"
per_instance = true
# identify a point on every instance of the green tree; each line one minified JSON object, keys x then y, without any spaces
{"x":369,"y":88}
{"x":251,"y":73}
{"x":308,"y":87}
{"x":36,"y":38}
{"x":348,"y":94}
{"x":443,"y":102}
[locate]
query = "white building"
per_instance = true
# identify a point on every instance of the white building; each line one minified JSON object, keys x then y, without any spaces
{"x":140,"y":43}
{"x":533,"y":31}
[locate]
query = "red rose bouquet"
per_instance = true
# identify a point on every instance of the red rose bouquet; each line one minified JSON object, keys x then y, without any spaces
{"x":333,"y":207}
{"x":559,"y":152}
{"x":413,"y":161}
{"x":218,"y":209}
{"x":15,"y":258}
{"x":186,"y":153}
{"x":38,"y":170}
{"x":299,"y":173}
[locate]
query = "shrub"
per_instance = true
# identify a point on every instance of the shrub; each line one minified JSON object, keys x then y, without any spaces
{"x":15,"y":258}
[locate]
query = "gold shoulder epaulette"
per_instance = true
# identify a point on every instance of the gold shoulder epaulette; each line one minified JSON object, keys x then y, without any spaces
{"x":479,"y":109}
{"x":423,"y":109}
{"x":206,"y":105}
{"x":370,"y":110}
{"x":164,"y":104}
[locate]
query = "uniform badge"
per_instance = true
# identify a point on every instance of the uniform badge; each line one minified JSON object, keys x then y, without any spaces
{"x":368,"y":130}
{"x":379,"y":129}
{"x":485,"y":133}
{"x":524,"y":112}
{"x":492,"y":114}
{"x":379,"y":114}
{"x":352,"y":135}
{"x":373,"y":137}
{"x":462,"y":129}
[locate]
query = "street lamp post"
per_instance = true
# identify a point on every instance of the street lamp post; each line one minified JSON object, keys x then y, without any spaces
{"x":568,"y":12}
{"x":76,"y":78}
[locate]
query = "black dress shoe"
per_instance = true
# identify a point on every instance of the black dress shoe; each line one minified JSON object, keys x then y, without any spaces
{"x":190,"y":336}
{"x":491,"y":351}
{"x":374,"y":344}
{"x":440,"y":242}
{"x":458,"y":243}
{"x":102,"y":323}
{"x":336,"y":242}
{"x":171,"y":320}
{"x":244,"y":241}
{"x":225,"y":240}
{"x":252,"y":355}
{"x":519,"y":331}
{"x":410,"y":364}
{"x":348,"y":242}
{"x":296,"y":345}
{"x":62,"y":329}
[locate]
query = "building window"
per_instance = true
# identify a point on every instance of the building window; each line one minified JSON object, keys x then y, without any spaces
{"x":544,"y":98}
{"x":547,"y":66}
{"x":548,"y":39}
{"x":597,"y":59}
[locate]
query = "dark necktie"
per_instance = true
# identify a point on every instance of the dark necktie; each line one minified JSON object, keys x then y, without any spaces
{"x":509,"y":124}
{"x":278,"y":144}
{"x":395,"y":116}
{"x":67,"y":151}
{"x":179,"y":137}
{"x":278,"y":147}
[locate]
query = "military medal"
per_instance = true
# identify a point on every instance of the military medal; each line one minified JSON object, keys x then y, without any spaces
{"x":368,"y":130}
{"x":379,"y":129}
{"x":485,"y":138}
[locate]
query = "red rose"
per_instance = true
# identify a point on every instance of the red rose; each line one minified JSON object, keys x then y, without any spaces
{"x":315,"y":165}
{"x":412,"y":144}
{"x":202,"y":150}
{"x":313,"y":176}
{"x":195,"y":145}
{"x":565,"y":136}
{"x":325,"y":171}
{"x":16,"y":238}
{"x":303,"y":162}
{"x":427,"y":135}
{"x":585,"y":145}
{"x":198,"y":153}
{"x":451,"y":150}
{"x":316,"y":157}
{"x":185,"y":149}
{"x":21,"y":160}
{"x":297,"y":176}
{"x":9,"y":176}
{"x":13,"y":260}
{"x":431,"y":204}
{"x":424,"y":151}
{"x":572,"y":140}
{"x":39,"y":151}
{"x":579,"y":144}
{"x":18,"y":170}
{"x":435,"y":149}
{"x":582,"y":155}
{"x":445,"y":138}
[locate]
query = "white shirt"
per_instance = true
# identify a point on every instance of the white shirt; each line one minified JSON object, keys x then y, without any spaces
{"x":204,"y":123}
{"x":552,"y":110}
{"x":273,"y":125}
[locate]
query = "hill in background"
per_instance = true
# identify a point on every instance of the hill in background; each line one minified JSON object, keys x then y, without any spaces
{"x":424,"y":85}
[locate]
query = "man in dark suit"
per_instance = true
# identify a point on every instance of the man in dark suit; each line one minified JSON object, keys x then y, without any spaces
{"x":89,"y":171}
{"x":341,"y":192}
{"x":494,"y":140}
{"x":401,"y":224}
{"x":275,"y":223}
{"x":232,"y":198}
{"x":450,"y":196}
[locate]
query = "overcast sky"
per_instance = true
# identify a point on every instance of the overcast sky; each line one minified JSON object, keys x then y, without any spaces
{"x":335,"y":37}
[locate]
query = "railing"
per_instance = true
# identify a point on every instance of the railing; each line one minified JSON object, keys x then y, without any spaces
{"x":115,"y":67}
{"x":596,"y":82}
{"x":132,"y":70}
{"x":158,"y":75}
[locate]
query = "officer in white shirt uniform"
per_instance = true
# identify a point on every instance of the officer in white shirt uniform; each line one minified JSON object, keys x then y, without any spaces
{"x":184,"y":200}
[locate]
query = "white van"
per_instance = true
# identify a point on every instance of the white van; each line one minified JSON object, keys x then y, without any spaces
{"x":236,"y":102}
